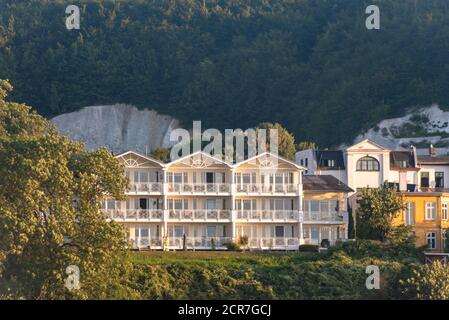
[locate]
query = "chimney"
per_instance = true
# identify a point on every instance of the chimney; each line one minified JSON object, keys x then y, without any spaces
{"x":432,"y":151}
{"x":414,"y":155}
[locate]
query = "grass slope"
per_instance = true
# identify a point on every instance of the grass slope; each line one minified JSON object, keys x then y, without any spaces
{"x":337,"y":274}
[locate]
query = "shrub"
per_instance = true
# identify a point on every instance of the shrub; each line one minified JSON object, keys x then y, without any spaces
{"x":243,"y":241}
{"x":308,"y":248}
{"x":428,"y":282}
{"x":325,"y":243}
{"x":233,"y":246}
{"x":378,"y":249}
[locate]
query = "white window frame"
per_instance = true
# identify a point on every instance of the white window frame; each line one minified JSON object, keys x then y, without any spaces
{"x":430,"y":211}
{"x":409,"y":214}
{"x":444,"y":211}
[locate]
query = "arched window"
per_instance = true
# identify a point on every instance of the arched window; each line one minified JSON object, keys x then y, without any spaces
{"x":367,"y":164}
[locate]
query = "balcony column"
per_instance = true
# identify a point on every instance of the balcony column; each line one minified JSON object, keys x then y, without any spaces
{"x":233,"y":212}
{"x":300,"y":208}
{"x":346,"y":232}
{"x":300,"y":232}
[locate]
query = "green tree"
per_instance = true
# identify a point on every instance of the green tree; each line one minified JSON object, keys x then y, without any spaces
{"x":304,"y":145}
{"x":286,"y":140}
{"x":428,"y":282}
{"x":376,"y":211}
{"x":351,"y":226}
{"x":50,"y":194}
{"x":161,"y":154}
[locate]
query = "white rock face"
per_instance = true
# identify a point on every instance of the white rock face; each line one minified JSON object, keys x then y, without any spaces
{"x":402,"y":132}
{"x":118,"y":127}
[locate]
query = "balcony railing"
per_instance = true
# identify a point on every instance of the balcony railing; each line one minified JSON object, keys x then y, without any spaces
{"x":208,"y":243}
{"x":264,"y":188}
{"x":274,"y":243}
{"x":323,"y":216}
{"x":268,"y":215}
{"x":135,"y":214}
{"x":199,"y":187}
{"x":146,"y":242}
{"x":200,"y":215}
{"x":317,"y":241}
{"x":223,"y":215}
{"x":150,"y":187}
{"x":198,"y":242}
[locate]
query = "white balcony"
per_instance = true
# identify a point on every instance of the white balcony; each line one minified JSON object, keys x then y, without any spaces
{"x":147,"y":243}
{"x":277,"y":243}
{"x":199,"y":243}
{"x":268,"y":215}
{"x":145,"y":188}
{"x":199,"y":188}
{"x":317,"y":242}
{"x":274,"y":189}
{"x":200,"y":215}
{"x":129,"y":215}
{"x":325,"y":217}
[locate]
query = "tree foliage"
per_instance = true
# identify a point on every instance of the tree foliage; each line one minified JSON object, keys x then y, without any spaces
{"x":377,"y":208}
{"x":428,"y":282}
{"x":50,"y":192}
{"x":286,"y":141}
{"x":310,"y":65}
{"x":161,"y":154}
{"x":304,"y":145}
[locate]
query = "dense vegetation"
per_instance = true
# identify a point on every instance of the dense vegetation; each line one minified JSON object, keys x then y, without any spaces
{"x":337,"y":274}
{"x":51,"y":230}
{"x":310,"y":65}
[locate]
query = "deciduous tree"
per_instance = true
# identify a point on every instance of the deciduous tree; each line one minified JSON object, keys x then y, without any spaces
{"x":376,"y":211}
{"x":50,"y":193}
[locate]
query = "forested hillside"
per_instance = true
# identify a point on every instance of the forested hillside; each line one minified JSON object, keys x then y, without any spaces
{"x":308,"y":64}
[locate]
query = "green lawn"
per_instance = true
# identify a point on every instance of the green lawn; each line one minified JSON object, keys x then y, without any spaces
{"x":269,"y":258}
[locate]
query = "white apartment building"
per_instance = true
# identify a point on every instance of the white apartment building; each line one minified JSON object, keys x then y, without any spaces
{"x":201,"y":202}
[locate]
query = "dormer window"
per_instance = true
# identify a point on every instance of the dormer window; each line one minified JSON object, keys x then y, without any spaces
{"x":367,"y":164}
{"x":400,"y":164}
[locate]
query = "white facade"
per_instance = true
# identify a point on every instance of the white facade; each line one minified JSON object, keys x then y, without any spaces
{"x":432,"y":171}
{"x":368,"y":164}
{"x":202,"y":203}
{"x":357,"y":178}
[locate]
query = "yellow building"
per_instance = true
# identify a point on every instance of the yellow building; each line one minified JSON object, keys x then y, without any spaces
{"x":325,"y":209}
{"x":427,"y":212}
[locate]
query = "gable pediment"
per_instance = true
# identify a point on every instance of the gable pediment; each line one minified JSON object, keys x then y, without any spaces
{"x":199,"y":160}
{"x":269,"y":162}
{"x":135,"y":160}
{"x":366,"y":146}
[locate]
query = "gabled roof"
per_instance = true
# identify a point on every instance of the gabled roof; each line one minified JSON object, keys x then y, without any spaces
{"x":323,"y":183}
{"x":269,"y":154}
{"x":323,"y":155}
{"x":203,"y":154}
{"x":367,"y":141}
{"x":397,"y":157}
{"x":207,"y":155}
{"x":121,"y":155}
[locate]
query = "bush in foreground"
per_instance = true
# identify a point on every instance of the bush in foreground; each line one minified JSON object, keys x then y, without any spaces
{"x":428,"y":282}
